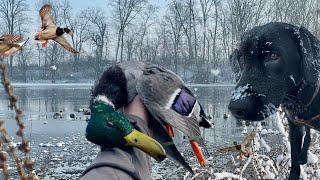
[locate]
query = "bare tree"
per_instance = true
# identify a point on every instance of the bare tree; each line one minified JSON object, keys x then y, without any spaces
{"x":184,"y":16}
{"x":125,"y":11}
{"x":206,"y":6}
{"x":175,"y":24}
{"x":97,"y":32}
{"x":192,"y":38}
{"x":294,"y":12}
{"x":146,"y":22}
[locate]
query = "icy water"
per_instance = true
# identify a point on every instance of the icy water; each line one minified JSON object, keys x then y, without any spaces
{"x":59,"y":146}
{"x":48,"y":109}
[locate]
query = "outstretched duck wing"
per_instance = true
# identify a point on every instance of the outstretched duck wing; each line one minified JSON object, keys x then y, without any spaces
{"x":64,"y":43}
{"x":159,"y":89}
{"x":46,"y":18}
{"x":10,"y":39}
{"x":228,"y":149}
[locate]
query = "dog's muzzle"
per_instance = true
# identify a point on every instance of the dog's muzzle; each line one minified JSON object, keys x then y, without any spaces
{"x":249,"y":105}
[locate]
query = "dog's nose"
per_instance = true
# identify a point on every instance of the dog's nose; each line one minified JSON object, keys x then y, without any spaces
{"x":247,"y":108}
{"x":238,"y":109}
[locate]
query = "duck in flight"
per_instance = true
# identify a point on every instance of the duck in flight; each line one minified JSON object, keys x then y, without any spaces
{"x":9,"y":44}
{"x":244,"y":148}
{"x":50,"y":31}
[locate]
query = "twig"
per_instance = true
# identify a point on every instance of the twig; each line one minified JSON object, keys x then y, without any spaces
{"x":244,"y":167}
{"x":25,"y":144}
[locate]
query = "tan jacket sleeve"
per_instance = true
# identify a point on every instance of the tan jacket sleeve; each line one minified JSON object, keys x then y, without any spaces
{"x":106,"y":173}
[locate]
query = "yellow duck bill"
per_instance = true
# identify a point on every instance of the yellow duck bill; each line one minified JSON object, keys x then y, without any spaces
{"x":146,"y":144}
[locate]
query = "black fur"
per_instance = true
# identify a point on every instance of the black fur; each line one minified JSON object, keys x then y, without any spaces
{"x":113,"y":84}
{"x":279,"y":64}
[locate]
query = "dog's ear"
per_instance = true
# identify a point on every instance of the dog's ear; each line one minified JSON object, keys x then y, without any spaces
{"x":234,"y":63}
{"x":309,"y":47}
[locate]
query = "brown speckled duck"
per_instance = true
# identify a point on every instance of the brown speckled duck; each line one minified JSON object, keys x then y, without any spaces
{"x":244,"y":148}
{"x":50,"y":31}
{"x":10,"y":44}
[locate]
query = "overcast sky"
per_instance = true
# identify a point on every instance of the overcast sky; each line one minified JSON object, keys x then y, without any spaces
{"x":77,"y":5}
{"x":81,"y":4}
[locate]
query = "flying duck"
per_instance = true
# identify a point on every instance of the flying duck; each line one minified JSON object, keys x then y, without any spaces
{"x":50,"y":31}
{"x":170,"y":103}
{"x":10,"y":44}
{"x":244,"y":148}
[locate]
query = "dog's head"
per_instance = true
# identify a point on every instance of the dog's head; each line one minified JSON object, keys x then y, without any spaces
{"x":276,"y":62}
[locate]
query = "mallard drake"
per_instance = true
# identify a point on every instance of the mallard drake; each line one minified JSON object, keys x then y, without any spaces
{"x":50,"y":31}
{"x":244,"y":148}
{"x":113,"y":129}
{"x":10,"y":44}
{"x":169,"y":101}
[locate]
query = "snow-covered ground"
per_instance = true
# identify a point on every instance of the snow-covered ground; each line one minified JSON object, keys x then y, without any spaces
{"x":66,"y":157}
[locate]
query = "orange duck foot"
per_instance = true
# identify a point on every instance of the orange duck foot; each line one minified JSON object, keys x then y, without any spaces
{"x":198,"y":152}
{"x":44,"y":44}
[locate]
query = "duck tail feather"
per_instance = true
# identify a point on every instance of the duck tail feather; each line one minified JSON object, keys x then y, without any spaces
{"x":166,"y":141}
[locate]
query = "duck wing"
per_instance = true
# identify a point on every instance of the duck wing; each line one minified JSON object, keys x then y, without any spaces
{"x":46,"y":18}
{"x":186,"y":98}
{"x":132,"y":71}
{"x":64,"y":43}
{"x":161,"y":135}
{"x":160,"y":90}
{"x":228,"y":149}
{"x":10,"y":39}
{"x":11,"y":51}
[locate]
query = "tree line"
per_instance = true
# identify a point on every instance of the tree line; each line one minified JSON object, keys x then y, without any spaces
{"x":193,"y":38}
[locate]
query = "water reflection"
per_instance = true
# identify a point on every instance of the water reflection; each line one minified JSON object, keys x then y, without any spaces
{"x":40,"y":104}
{"x":45,"y":132}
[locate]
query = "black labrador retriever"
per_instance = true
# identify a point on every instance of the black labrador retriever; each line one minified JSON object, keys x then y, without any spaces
{"x":279,"y":65}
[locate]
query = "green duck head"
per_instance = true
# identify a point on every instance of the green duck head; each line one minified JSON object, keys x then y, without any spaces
{"x":109,"y":128}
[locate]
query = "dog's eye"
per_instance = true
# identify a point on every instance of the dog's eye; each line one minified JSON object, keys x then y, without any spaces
{"x":273,"y":63}
{"x":274,"y":56}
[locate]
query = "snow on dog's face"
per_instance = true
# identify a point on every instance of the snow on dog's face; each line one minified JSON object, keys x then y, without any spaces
{"x":269,"y":63}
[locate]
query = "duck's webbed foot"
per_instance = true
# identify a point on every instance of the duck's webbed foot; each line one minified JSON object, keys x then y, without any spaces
{"x":198,"y":152}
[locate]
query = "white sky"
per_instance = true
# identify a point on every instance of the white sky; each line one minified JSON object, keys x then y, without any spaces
{"x":82,"y":4}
